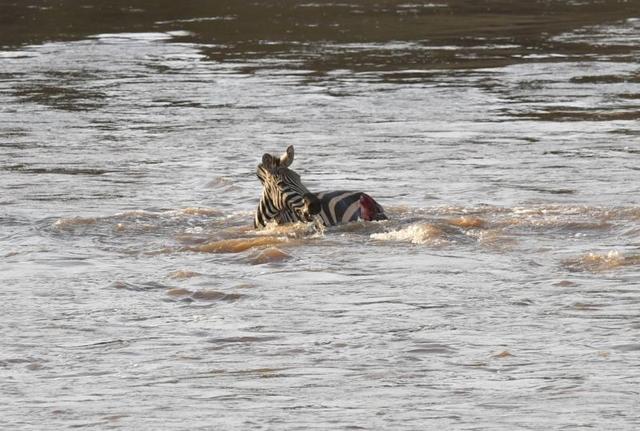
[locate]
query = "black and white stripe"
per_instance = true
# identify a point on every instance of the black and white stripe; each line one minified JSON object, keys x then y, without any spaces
{"x":339,"y":207}
{"x":286,"y":200}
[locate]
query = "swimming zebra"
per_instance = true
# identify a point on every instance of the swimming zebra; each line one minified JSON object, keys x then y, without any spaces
{"x":286,"y":200}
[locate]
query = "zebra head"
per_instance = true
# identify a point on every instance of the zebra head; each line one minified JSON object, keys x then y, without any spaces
{"x":283,"y":194}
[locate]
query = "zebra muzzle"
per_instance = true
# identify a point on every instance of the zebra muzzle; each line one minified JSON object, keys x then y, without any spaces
{"x":312,"y":205}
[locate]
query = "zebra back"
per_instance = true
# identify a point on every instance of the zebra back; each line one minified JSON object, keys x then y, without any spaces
{"x":341,"y":206}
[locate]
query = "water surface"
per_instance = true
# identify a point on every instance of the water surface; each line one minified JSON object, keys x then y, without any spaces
{"x":503,"y":141}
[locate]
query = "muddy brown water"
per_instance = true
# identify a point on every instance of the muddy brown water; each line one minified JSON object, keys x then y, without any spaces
{"x":501,"y":137}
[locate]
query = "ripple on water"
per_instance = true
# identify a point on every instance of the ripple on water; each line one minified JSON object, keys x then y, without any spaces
{"x":126,"y":37}
{"x":268,"y":255}
{"x":236,"y":245}
{"x":243,"y":339}
{"x":602,"y":261}
{"x":72,"y":222}
{"x":205,"y":295}
{"x":197,"y":211}
{"x":213,"y":295}
{"x":57,"y":170}
{"x":138,"y":287}
{"x":138,"y":222}
{"x":182,"y":274}
{"x":18,"y":54}
{"x":468,"y":222}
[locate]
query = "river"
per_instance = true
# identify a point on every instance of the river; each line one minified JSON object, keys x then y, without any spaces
{"x":502,"y":139}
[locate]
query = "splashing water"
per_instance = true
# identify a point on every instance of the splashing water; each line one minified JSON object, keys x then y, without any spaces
{"x":501,"y":138}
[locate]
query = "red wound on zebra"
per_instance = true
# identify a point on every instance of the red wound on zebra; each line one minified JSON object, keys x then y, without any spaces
{"x":368,"y":208}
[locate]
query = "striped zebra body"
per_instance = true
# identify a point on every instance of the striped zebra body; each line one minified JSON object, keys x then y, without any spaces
{"x":339,"y":207}
{"x":336,"y":208}
{"x":286,"y":200}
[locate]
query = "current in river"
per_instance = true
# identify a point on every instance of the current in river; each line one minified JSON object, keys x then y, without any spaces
{"x":502,"y":139}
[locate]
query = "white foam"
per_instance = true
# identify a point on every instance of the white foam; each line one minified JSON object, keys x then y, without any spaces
{"x":18,"y":54}
{"x":180,"y":33}
{"x":423,"y":6}
{"x":290,"y":230}
{"x":421,"y":233}
{"x":202,"y":19}
{"x":141,"y":36}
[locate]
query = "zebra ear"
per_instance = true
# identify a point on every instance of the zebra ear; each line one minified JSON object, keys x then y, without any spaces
{"x":287,"y":158}
{"x":267,"y":159}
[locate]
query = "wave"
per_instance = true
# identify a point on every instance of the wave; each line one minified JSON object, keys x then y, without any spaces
{"x":236,"y":245}
{"x":604,"y":261}
{"x":501,"y":229}
{"x":421,"y":233}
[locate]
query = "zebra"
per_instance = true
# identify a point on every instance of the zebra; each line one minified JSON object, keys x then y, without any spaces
{"x":286,"y":200}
